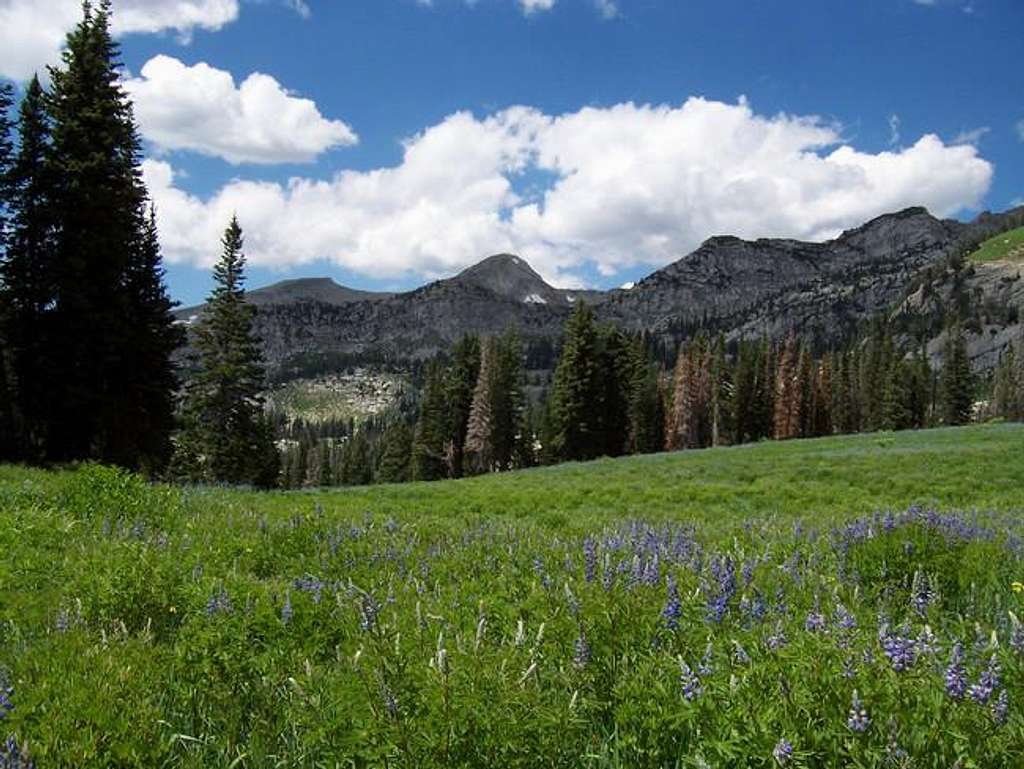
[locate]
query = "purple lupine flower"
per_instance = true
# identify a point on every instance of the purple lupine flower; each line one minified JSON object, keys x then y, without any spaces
{"x":692,"y":688}
{"x":6,"y":705}
{"x":859,"y":721}
{"x":956,"y":679}
{"x":13,"y":757}
{"x":777,"y":639}
{"x":739,"y":654}
{"x":921,"y":594}
{"x":1017,"y":636}
{"x":899,"y":649}
{"x":1001,"y":708}
{"x":815,"y":622}
{"x":673,"y":606}
{"x":988,"y":682}
{"x":782,"y":752}
{"x":310,"y":584}
{"x":368,"y":611}
{"x":849,"y":668}
{"x":286,"y":610}
{"x":219,"y":603}
{"x":63,"y":621}
{"x":748,"y":573}
{"x":589,"y":559}
{"x":581,"y":651}
{"x":843,"y":619}
{"x":389,"y":700}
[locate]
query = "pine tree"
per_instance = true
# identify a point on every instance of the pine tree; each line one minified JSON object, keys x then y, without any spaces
{"x":104,"y":266}
{"x":357,"y":464}
{"x":7,"y":442}
{"x":576,"y":392}
{"x":429,"y":441}
{"x":225,"y":423}
{"x":1008,"y":384}
{"x":26,"y":283}
{"x":396,"y":450}
{"x":461,"y":379}
{"x":646,"y":414}
{"x":956,"y":382}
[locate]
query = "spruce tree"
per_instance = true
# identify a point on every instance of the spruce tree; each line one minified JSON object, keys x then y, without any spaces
{"x":226,"y":429}
{"x":461,"y":380}
{"x":104,"y":266}
{"x":27,"y":283}
{"x":7,"y":442}
{"x":956,"y":384}
{"x":576,"y":392}
{"x":396,"y":450}
{"x":646,"y":416}
{"x":512,"y":447}
{"x":429,"y":449}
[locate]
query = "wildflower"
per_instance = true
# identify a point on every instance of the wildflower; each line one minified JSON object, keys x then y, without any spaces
{"x":219,"y":603}
{"x":673,"y":606}
{"x":692,"y":688}
{"x":389,"y":700}
{"x":13,"y":757}
{"x":988,"y":682}
{"x":368,"y":611}
{"x":956,"y":681}
{"x":589,"y":559}
{"x":286,"y":610}
{"x":858,"y":720}
{"x":581,"y":651}
{"x":1000,"y":708}
{"x":6,"y":706}
{"x":1018,"y":587}
{"x":1016,"y":634}
{"x":843,"y":619}
{"x":900,"y":650}
{"x":783,"y":752}
{"x":739,"y":654}
{"x":777,"y":639}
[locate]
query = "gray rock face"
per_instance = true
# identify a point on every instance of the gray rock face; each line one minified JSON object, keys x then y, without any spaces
{"x":742,"y":288}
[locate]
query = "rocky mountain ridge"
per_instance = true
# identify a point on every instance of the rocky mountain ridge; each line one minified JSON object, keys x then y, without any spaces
{"x":737,"y":287}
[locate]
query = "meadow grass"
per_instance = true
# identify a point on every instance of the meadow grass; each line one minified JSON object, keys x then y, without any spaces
{"x":1008,"y":245}
{"x":706,"y":608}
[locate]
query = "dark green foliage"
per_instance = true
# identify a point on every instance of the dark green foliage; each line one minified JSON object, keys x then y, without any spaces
{"x":395,"y":454}
{"x":89,"y":335}
{"x":578,"y":390}
{"x":430,"y":458}
{"x":1008,"y":384}
{"x":646,"y":411}
{"x":227,"y":438}
{"x":956,"y":382}
{"x":460,"y":382}
{"x":357,"y":462}
{"x":7,"y":448}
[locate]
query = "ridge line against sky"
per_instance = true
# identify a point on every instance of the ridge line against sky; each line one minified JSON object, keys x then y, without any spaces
{"x":393,"y":142}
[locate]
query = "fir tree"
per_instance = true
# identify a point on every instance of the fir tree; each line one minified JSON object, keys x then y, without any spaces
{"x":574,"y":424}
{"x":646,"y":414}
{"x":7,"y":442}
{"x":956,"y":383}
{"x":395,"y":454}
{"x":225,"y":424}
{"x":429,"y":442}
{"x":104,"y":266}
{"x":461,"y":380}
{"x":27,"y":283}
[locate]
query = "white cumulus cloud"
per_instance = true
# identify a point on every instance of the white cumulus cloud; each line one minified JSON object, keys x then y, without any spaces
{"x":32,"y":32}
{"x":627,"y":185}
{"x":201,"y":108}
{"x":531,"y":6}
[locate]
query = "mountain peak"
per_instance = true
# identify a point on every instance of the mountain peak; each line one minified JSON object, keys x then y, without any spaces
{"x":509,"y":276}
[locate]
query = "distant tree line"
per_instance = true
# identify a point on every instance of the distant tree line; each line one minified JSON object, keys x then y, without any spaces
{"x":610,"y":396}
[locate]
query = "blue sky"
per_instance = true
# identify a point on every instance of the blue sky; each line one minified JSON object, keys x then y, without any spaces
{"x":411,"y":164}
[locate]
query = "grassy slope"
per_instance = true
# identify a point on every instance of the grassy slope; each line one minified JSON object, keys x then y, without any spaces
{"x":82,"y":700}
{"x":1008,"y":245}
{"x":962,"y":467}
{"x":952,"y":468}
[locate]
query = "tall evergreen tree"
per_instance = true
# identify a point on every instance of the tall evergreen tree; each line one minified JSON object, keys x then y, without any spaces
{"x":429,"y":448}
{"x":461,"y":380}
{"x":395,"y":454}
{"x":27,"y":282}
{"x":646,"y":414}
{"x":957,"y":385}
{"x":226,"y":431}
{"x":576,"y":392}
{"x":7,"y":442}
{"x":104,"y":265}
